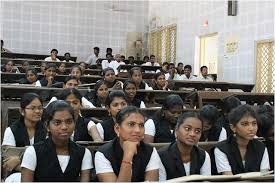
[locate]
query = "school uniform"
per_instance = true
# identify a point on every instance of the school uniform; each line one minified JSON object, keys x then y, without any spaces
{"x":270,"y":149}
{"x":81,"y":132}
{"x":96,"y":103}
{"x":173,"y":167}
{"x":108,"y":159}
{"x":137,"y":103}
{"x":105,"y":128}
{"x":207,"y":79}
{"x":223,"y":120}
{"x":160,"y":130}
{"x":227,"y":157}
{"x":50,"y":167}
{"x":44,"y":82}
{"x":51,"y":60}
{"x":84,"y":102}
{"x":216,"y":133}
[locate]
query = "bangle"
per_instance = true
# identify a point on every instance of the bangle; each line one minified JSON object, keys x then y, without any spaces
{"x":127,"y":162}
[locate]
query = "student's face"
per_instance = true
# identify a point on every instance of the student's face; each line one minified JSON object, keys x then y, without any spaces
{"x":67,"y":57}
{"x":33,"y":111}
{"x":82,"y":66}
{"x":137,"y":77}
{"x":116,"y":105}
{"x":110,"y":76}
{"x":187,"y":71}
{"x":76,"y":73}
{"x":131,"y":128}
{"x":96,"y":51}
{"x":161,"y":81}
{"x":74,"y":102}
{"x":189,"y":132}
{"x":204,"y":71}
{"x":9,"y":66}
{"x":61,"y":68}
{"x":71,"y":84}
{"x":246,"y":128}
{"x":54,"y":54}
{"x":173,"y":113}
{"x":165,"y":67}
{"x":31,"y":77}
{"x":130,"y":91}
{"x":152,"y":59}
{"x":102,"y":91}
{"x":171,"y":68}
{"x":61,"y":126}
{"x":180,"y":67}
{"x":50,"y":72}
{"x":25,"y":65}
{"x":42,"y":67}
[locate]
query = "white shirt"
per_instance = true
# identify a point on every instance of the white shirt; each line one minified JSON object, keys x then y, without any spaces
{"x":9,"y":139}
{"x":183,"y":77}
{"x":104,"y":64}
{"x":51,"y":60}
{"x":223,"y":165}
{"x":205,"y":169}
{"x":103,"y":165}
{"x":92,"y":59}
{"x":66,"y":61}
{"x":99,"y":128}
{"x":115,"y":64}
{"x":150,"y":64}
{"x":147,"y":87}
{"x":29,"y":160}
{"x":38,"y":84}
{"x":84,"y":102}
{"x":223,"y":135}
{"x":201,"y":78}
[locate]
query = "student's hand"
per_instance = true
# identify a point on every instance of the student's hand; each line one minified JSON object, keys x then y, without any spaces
{"x":129,"y":148}
{"x":11,"y":163}
{"x":117,"y":86}
{"x":50,"y":80}
{"x":166,"y":85}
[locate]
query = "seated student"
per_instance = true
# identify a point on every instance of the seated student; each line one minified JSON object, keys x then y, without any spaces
{"x":100,"y":94}
{"x":74,"y":98}
{"x":50,"y":73}
{"x":266,"y":130}
{"x":42,"y":67}
{"x":83,"y":66}
{"x":94,"y":57}
{"x":61,"y":68}
{"x":164,"y":67}
{"x":106,"y":63}
{"x":116,"y":63}
{"x":130,"y":90}
{"x":152,"y":61}
{"x":115,"y":101}
{"x":136,"y":76}
{"x":76,"y":71}
{"x":8,"y":67}
{"x":172,"y":72}
{"x":212,"y":129}
{"x":4,"y":50}
{"x":131,"y":60}
{"x":110,"y":78}
{"x":204,"y":75}
{"x":127,"y":158}
{"x":109,"y":51}
{"x":145,"y":59}
{"x":241,"y":152}
{"x":73,"y":82}
{"x":228,"y":104}
{"x":122,"y":57}
{"x":25,"y":131}
{"x":161,"y":127}
{"x":160,"y":83}
{"x":31,"y":77}
{"x":67,"y":57}
{"x":25,"y":66}
{"x":187,"y":74}
{"x":183,"y":157}
{"x":180,"y":68}
{"x":57,"y":159}
{"x":53,"y":56}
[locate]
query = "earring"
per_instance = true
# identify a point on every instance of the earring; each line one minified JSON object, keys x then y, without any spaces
{"x":234,"y":134}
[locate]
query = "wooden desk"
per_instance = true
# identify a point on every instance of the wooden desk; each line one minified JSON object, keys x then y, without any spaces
{"x":224,"y":86}
{"x":31,"y":56}
{"x":249,"y":98}
{"x":143,"y":67}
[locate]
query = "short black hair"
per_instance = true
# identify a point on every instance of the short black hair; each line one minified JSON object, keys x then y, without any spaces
{"x":134,"y":69}
{"x":54,"y":50}
{"x":188,"y":67}
{"x":131,"y":57}
{"x":265,"y":120}
{"x":202,"y":67}
{"x":96,"y":48}
{"x":125,"y":112}
{"x":109,"y":49}
{"x":28,"y":98}
{"x":152,"y":56}
{"x":127,"y":82}
{"x":68,"y":78}
{"x":68,"y":91}
{"x":158,"y":74}
{"x":107,"y":69}
{"x":230,"y":103}
{"x":241,"y":111}
{"x":165,"y":63}
{"x":67,"y":53}
{"x":180,"y":63}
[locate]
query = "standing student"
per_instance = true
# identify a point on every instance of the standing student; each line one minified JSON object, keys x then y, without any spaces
{"x":57,"y":158}
{"x":160,"y":83}
{"x":241,"y":152}
{"x":53,"y":56}
{"x":74,"y":98}
{"x":115,"y":102}
{"x":127,"y":158}
{"x":183,"y":157}
{"x":109,"y":77}
{"x":130,"y":90}
{"x":100,"y":94}
{"x":25,"y":131}
{"x":212,"y":129}
{"x":50,"y":73}
{"x":61,"y":68}
{"x":161,"y":127}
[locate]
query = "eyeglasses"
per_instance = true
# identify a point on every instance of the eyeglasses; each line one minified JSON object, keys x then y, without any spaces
{"x":39,"y":108}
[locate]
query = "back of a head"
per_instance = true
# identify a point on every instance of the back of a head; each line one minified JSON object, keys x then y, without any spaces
{"x":241,"y":111}
{"x":125,"y":112}
{"x":188,"y":67}
{"x":209,"y":113}
{"x":171,"y":101}
{"x":230,"y":103}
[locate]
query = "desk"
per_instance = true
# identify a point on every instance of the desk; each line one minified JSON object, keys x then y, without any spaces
{"x":143,"y":67}
{"x":32,"y":56}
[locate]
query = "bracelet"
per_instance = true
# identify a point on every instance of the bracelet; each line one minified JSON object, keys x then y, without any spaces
{"x":127,"y":162}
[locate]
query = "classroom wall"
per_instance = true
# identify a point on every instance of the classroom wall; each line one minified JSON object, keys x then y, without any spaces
{"x":254,"y":21}
{"x":70,"y":26}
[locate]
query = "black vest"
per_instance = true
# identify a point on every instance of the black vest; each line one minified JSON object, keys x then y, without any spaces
{"x":253,"y":157}
{"x":163,"y":133}
{"x":136,"y":102}
{"x":171,"y":160}
{"x":48,"y":168}
{"x":21,"y":136}
{"x":270,"y":148}
{"x":213,"y":134}
{"x":44,"y":82}
{"x":114,"y":153}
{"x":81,"y":131}
{"x":108,"y":127}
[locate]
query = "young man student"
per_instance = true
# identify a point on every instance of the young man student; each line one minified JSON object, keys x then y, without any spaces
{"x":53,"y":56}
{"x":204,"y":75}
{"x":94,"y":57}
